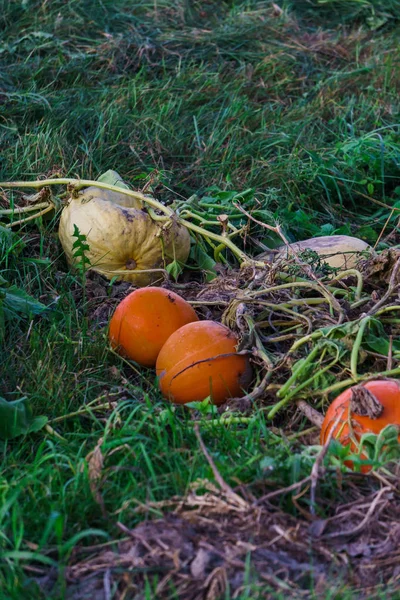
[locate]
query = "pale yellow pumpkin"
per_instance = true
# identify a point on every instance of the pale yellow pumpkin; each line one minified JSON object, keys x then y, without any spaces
{"x":119,"y":198}
{"x":124,"y":241}
{"x":339,"y":251}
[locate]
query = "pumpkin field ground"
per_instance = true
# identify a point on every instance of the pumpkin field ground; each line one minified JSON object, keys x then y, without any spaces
{"x":290,"y":109}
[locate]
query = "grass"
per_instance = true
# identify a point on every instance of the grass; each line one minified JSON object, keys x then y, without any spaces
{"x":300,"y":104}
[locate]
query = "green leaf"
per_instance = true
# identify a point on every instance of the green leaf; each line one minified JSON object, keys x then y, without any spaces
{"x":378,"y":341}
{"x":17,"y":301}
{"x":203,"y":261}
{"x":174,"y":269}
{"x":205,"y":407}
{"x":7,"y":238}
{"x":80,"y":247}
{"x":16,"y":419}
{"x":113,"y":178}
{"x":38,"y":423}
{"x":327,"y":229}
{"x":384,"y":446}
{"x":367,"y":233}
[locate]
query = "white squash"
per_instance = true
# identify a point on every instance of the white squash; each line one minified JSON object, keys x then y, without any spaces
{"x":124,"y":241}
{"x":338,"y":251}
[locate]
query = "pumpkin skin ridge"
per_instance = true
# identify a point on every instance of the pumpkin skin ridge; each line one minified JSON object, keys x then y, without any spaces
{"x":203,"y":360}
{"x":201,"y":395}
{"x":199,"y":352}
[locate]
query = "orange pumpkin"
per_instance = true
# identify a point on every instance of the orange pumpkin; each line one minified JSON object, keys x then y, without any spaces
{"x":352,"y":425}
{"x":200,"y":360}
{"x":144,"y":320}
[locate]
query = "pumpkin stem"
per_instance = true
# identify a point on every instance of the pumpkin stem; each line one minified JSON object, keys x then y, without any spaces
{"x":364,"y":403}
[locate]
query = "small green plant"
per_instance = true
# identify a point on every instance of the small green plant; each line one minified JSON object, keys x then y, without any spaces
{"x":80,"y":247}
{"x":381,"y":449}
{"x":314,"y":260}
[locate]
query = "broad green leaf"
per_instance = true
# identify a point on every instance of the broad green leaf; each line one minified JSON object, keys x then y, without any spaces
{"x":37,"y":423}
{"x":327,"y":229}
{"x":377,"y":344}
{"x":344,"y":230}
{"x":377,"y":340}
{"x":174,"y":269}
{"x":113,"y":178}
{"x":204,"y":262}
{"x":17,"y":301}
{"x":16,"y":419}
{"x":367,"y":233}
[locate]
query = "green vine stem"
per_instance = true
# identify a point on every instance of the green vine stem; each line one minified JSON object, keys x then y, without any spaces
{"x":53,"y":432}
{"x":334,"y":290}
{"x":228,"y":420}
{"x":49,"y":208}
{"x":218,"y":249}
{"x":305,"y":302}
{"x":359,"y":303}
{"x":391,"y":308}
{"x":156,"y":217}
{"x":277,"y":407}
{"x":357,"y":275}
{"x":187,"y":214}
{"x":300,"y":284}
{"x":78,"y":184}
{"x":286,"y":309}
{"x":349,"y":327}
{"x":336,"y":387}
{"x":356,"y":347}
{"x":83,"y":411}
{"x":300,"y":387}
{"x":24,"y":209}
{"x":286,"y":387}
{"x":295,"y":436}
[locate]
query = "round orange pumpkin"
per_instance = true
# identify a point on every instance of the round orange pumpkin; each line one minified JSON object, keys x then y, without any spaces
{"x":144,"y":320}
{"x":200,"y":360}
{"x":352,"y":425}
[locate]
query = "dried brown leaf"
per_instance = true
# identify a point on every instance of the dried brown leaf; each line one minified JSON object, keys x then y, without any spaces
{"x":95,"y":461}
